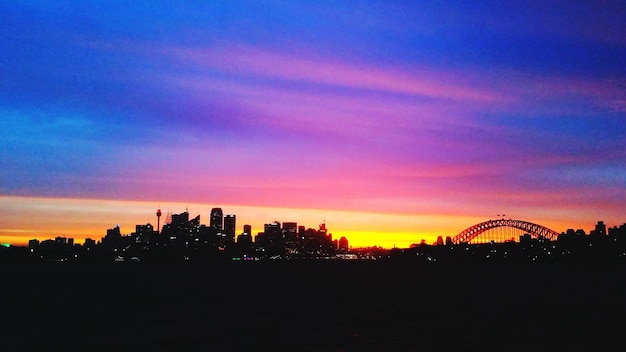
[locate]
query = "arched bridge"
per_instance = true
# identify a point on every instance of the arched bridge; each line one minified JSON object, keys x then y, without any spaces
{"x":534,"y":230}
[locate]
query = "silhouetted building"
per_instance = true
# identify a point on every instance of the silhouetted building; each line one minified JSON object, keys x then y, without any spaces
{"x":181,"y":218}
{"x":113,"y":238}
{"x":600,"y":230}
{"x":322,"y":229}
{"x":290,"y":234}
{"x":33,"y":245}
{"x":618,"y":232}
{"x":229,"y":227}
{"x":271,"y":242}
{"x":217,"y":219}
{"x":290,"y":227}
{"x":206,"y":237}
{"x":273,"y":232}
{"x":181,"y":233}
{"x":244,"y":239}
{"x":343,"y":244}
{"x":145,"y":234}
{"x":89,"y":243}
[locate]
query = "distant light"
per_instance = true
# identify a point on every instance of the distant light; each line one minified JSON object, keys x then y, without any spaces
{"x":6,"y":245}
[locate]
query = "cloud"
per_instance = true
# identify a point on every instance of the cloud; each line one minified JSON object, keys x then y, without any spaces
{"x":245,"y":60}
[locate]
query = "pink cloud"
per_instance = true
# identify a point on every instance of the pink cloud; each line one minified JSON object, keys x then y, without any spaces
{"x":420,"y":146}
{"x":557,"y":94}
{"x":246,"y":60}
{"x":310,"y":111}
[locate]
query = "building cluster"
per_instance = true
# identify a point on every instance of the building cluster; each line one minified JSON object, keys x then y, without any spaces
{"x":182,"y":237}
{"x":600,"y":243}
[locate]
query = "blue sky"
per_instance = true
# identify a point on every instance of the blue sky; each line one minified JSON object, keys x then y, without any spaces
{"x":406,"y":107}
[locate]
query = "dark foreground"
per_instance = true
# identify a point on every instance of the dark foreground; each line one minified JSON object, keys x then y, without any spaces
{"x":313,"y":306}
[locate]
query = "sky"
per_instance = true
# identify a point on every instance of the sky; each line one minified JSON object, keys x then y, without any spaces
{"x":391,"y":121}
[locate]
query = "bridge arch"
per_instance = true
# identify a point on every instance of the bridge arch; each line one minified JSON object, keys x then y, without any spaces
{"x":534,"y":230}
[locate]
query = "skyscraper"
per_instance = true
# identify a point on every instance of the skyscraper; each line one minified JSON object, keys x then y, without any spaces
{"x":273,"y":234}
{"x":600,"y":229}
{"x":217,"y":218}
{"x":246,"y":236}
{"x":290,"y":227}
{"x":181,"y":218}
{"x":343,"y":244}
{"x":290,"y":234}
{"x":229,"y":227}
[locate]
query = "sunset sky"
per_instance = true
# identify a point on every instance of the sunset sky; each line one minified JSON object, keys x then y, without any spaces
{"x":393,"y":121}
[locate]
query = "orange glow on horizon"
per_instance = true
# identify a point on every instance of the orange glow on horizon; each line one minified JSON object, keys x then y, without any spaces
{"x":45,"y":218}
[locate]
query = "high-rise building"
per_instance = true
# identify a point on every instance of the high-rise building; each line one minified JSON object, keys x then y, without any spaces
{"x":273,"y":229}
{"x":290,"y":231}
{"x":245,"y":238}
{"x":181,"y":218}
{"x":600,"y":229}
{"x":33,"y":245}
{"x":301,"y":232}
{"x":113,"y":238}
{"x":290,"y":235}
{"x":217,"y":219}
{"x":323,"y":231}
{"x":290,"y":227}
{"x":144,"y":233}
{"x":229,"y":227}
{"x":271,"y":241}
{"x":89,"y":243}
{"x":343,"y":244}
{"x":61,"y":240}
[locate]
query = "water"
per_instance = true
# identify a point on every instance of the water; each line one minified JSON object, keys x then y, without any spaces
{"x":314,"y":306}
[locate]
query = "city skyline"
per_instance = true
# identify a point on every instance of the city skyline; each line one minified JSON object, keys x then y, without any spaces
{"x":94,"y":218}
{"x":501,"y":229}
{"x":183,"y":238}
{"x":391,"y":122}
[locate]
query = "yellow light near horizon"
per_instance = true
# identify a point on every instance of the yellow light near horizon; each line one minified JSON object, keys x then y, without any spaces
{"x":28,"y":218}
{"x":44,"y":218}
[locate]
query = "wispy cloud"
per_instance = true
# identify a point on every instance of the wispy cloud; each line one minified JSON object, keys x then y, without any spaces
{"x":246,"y":60}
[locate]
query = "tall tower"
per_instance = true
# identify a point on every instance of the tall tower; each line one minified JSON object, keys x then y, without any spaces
{"x":343,"y":244}
{"x":229,"y":227}
{"x":217,"y":219}
{"x":158,"y":214}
